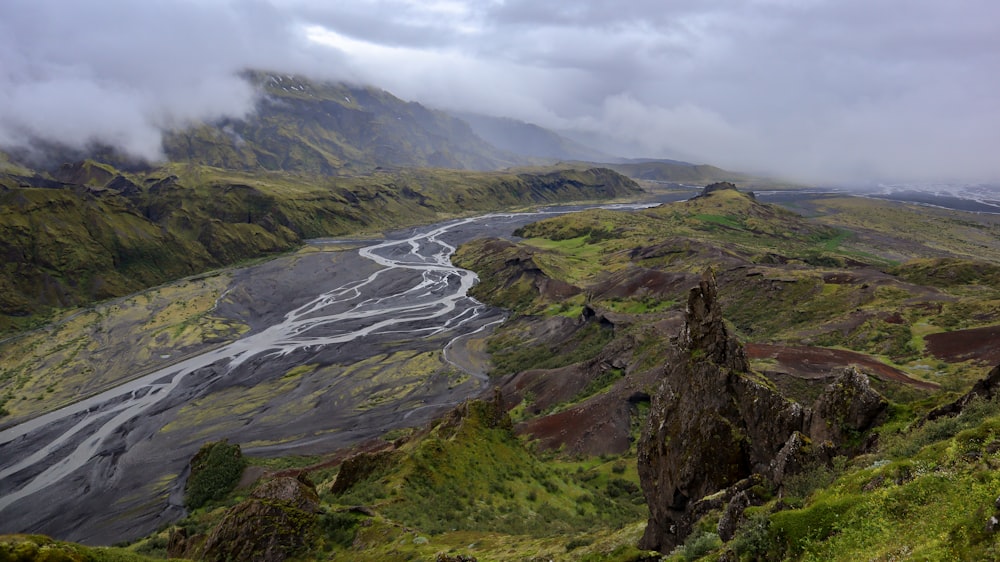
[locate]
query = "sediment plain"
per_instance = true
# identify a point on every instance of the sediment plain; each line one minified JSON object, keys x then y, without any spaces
{"x":336,"y":343}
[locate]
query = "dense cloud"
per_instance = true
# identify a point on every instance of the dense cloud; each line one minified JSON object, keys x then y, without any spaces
{"x":120,"y":71}
{"x":815,"y":89}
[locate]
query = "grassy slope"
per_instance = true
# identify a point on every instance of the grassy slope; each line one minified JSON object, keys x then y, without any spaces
{"x":677,"y":172}
{"x":925,"y":491}
{"x":782,"y":277}
{"x":463,"y":486}
{"x":924,"y":494}
{"x":31,"y":548}
{"x":73,"y":245}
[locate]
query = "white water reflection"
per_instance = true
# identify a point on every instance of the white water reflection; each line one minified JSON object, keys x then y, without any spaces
{"x":434,"y":302}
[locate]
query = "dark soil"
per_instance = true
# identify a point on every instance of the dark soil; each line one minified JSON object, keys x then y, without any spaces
{"x":977,"y":344}
{"x":817,"y":363}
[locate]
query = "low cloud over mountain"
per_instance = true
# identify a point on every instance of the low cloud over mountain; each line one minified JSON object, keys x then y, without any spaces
{"x":819,"y":90}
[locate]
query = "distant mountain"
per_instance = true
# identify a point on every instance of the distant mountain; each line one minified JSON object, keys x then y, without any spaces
{"x":334,"y":128}
{"x":675,"y":171}
{"x":528,"y":140}
{"x":531,"y":141}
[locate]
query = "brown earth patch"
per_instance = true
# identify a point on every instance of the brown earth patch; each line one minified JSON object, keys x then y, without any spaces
{"x":817,"y":362}
{"x":601,"y":425}
{"x":638,"y":282}
{"x":978,"y":344}
{"x":546,"y":387}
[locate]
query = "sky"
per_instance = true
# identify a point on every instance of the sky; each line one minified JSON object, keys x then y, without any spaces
{"x":811,"y":90}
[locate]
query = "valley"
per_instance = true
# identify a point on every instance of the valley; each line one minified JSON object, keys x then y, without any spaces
{"x":343,"y":341}
{"x":305,"y":354}
{"x":296,"y":281}
{"x":348,"y":326}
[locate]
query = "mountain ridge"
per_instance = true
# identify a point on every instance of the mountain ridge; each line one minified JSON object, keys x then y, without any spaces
{"x":89,"y":231}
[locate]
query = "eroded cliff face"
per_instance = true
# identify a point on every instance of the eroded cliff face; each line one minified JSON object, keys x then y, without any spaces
{"x":714,"y":423}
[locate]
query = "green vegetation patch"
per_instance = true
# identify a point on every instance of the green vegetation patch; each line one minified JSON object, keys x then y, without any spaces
{"x":39,"y":548}
{"x":215,"y":471}
{"x":926,"y":493}
{"x":476,"y":477}
{"x":511,"y":353}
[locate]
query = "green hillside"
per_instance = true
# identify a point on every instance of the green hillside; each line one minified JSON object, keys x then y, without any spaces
{"x":674,"y":171}
{"x":548,"y":469}
{"x":97,"y":232}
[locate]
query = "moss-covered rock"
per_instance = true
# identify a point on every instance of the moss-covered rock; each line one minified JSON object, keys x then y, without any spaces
{"x":215,"y":470}
{"x":275,"y":523}
{"x":711,"y":423}
{"x":847,"y":408}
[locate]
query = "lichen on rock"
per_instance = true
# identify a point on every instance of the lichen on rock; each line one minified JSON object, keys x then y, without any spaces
{"x":713,"y":423}
{"x":275,"y":523}
{"x":848,"y":407}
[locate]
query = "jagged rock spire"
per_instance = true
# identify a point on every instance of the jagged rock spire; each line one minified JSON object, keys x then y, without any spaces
{"x":705,"y":333}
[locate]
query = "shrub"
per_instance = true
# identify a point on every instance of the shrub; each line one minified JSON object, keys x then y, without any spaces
{"x":339,"y":528}
{"x":215,"y":471}
{"x":700,"y":544}
{"x":753,"y":538}
{"x":618,"y":487}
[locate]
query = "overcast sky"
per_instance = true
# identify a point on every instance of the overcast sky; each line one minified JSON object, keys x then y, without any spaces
{"x":821,"y":90}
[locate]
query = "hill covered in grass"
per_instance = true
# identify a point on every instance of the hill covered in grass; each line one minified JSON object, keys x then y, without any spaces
{"x":599,"y":336}
{"x":675,"y":171}
{"x":90,"y":231}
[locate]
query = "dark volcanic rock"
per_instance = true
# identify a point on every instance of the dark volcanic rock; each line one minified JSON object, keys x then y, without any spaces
{"x":272,"y":525}
{"x":705,"y":332}
{"x":848,"y":407}
{"x":986,"y":389}
{"x":732,"y":516}
{"x":794,"y":456}
{"x":711,"y":423}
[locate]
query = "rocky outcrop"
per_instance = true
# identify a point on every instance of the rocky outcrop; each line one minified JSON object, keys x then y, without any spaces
{"x":361,"y":467}
{"x":795,"y":455}
{"x":275,"y":523}
{"x":848,"y":407}
{"x":718,"y":186}
{"x":711,"y":423}
{"x":714,"y":423}
{"x":985,"y":389}
{"x":705,"y":333}
{"x":490,"y":414}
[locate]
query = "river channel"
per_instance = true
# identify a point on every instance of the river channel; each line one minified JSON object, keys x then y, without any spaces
{"x":110,"y":467}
